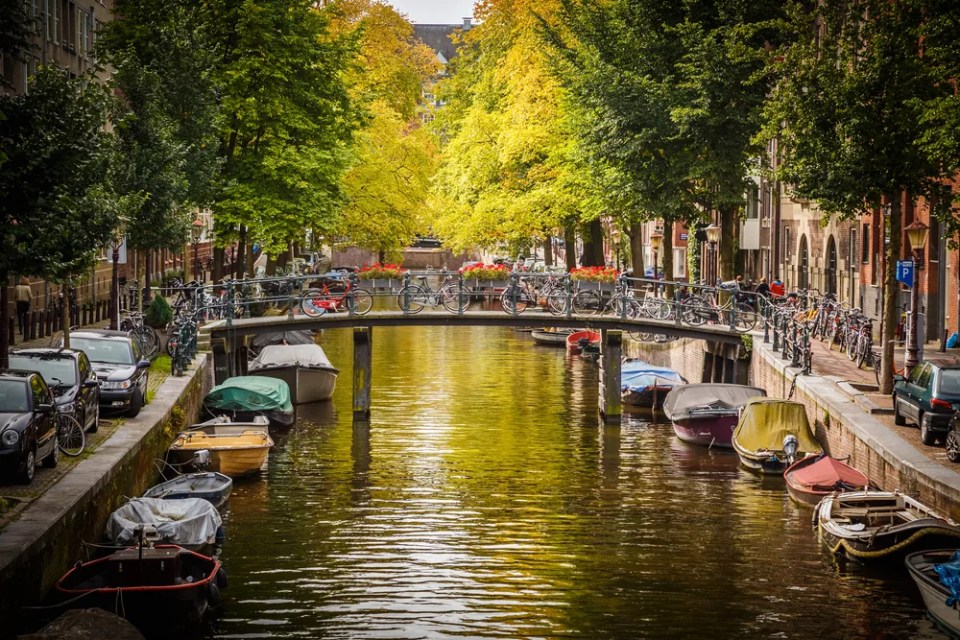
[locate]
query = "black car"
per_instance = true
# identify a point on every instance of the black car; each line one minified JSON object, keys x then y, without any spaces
{"x":28,"y":424}
{"x":929,"y":397}
{"x":71,"y":379}
{"x":121,"y":368}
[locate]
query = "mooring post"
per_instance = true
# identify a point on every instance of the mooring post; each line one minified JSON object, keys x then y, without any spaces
{"x":611,"y":342}
{"x":362,"y":358}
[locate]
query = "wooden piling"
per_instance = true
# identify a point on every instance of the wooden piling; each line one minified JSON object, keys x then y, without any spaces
{"x":362,"y":361}
{"x":611,"y":347}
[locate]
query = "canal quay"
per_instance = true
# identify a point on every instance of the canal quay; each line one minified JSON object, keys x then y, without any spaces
{"x":485,"y":498}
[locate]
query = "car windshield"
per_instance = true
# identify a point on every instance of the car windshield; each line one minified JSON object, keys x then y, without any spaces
{"x":59,"y":372}
{"x":950,"y":382}
{"x":13,"y":396}
{"x":106,"y":351}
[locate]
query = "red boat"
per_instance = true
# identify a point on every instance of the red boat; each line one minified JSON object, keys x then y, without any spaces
{"x":810,"y":479}
{"x":574,"y":344}
{"x":162,"y":586}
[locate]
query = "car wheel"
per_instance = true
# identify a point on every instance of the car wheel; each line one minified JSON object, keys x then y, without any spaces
{"x":29,"y":466}
{"x":898,"y":419}
{"x":135,"y":404}
{"x":927,"y":436}
{"x":53,"y":458}
{"x":952,"y":443}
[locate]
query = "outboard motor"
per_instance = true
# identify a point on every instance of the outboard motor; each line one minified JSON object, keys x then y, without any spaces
{"x":201,"y":459}
{"x":790,"y":446}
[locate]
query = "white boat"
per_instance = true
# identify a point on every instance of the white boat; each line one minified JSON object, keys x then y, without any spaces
{"x":304,"y":367}
{"x":925,"y":568}
{"x":191,"y":523}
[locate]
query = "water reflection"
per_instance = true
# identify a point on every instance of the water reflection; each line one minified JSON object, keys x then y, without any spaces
{"x":483,"y":499}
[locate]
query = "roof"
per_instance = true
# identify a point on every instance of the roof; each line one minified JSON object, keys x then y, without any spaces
{"x":437,"y":37}
{"x":49,"y":352}
{"x":943,"y":363}
{"x":16,"y":373}
{"x":100,"y":333}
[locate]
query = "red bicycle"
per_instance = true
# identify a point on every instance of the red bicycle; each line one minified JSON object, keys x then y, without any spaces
{"x":335,"y":295}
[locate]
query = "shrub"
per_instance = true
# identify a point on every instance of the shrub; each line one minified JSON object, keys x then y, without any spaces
{"x":481,"y":271}
{"x":381,"y":271}
{"x":594,"y":274}
{"x":159,"y":314}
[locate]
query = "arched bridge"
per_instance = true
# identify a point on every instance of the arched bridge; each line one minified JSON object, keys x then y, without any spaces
{"x":228,"y":340}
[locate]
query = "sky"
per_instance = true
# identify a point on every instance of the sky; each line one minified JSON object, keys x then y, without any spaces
{"x":434,"y":11}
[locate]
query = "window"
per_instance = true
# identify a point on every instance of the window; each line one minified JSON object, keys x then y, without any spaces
{"x":39,"y":390}
{"x":786,"y":244}
{"x":915,"y":375}
{"x":923,"y":380}
{"x":853,"y":246}
{"x":865,"y":244}
{"x":753,"y":202}
{"x":679,"y":262}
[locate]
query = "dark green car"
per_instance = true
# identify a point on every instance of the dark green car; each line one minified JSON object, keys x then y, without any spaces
{"x":928,"y":397}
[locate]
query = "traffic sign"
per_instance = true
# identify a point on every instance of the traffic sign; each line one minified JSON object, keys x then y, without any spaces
{"x":905,"y":272}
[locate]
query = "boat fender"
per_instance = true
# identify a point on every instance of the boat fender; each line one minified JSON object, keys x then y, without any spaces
{"x":219,"y":536}
{"x":221,"y":578}
{"x":213,"y":594}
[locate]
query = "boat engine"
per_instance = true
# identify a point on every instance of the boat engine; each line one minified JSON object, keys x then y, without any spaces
{"x":790,"y":446}
{"x":201,"y":459}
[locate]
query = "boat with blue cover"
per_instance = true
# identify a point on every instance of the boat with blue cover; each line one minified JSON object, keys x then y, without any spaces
{"x":937,"y":576}
{"x":646,"y":385}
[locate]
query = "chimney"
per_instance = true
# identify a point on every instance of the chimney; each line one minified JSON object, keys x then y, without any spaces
{"x":467,"y":23}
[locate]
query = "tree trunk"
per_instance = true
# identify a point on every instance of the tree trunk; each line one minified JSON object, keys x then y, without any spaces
{"x":636,"y":248}
{"x":728,"y":244}
{"x":593,"y":245}
{"x":65,"y":314}
{"x":548,"y":252}
{"x":115,"y":288}
{"x":271,"y":268}
{"x":241,"y":258}
{"x":570,"y":246}
{"x":218,"y":274}
{"x":890,"y":297}
{"x":668,"y":256}
{"x":5,"y":306}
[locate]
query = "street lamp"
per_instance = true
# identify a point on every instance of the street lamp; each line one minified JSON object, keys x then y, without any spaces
{"x":713,"y":237}
{"x":656,"y":241}
{"x":196,"y":231}
{"x":917,"y":234}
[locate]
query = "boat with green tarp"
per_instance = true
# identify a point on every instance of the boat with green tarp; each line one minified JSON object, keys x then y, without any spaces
{"x":243,"y":397}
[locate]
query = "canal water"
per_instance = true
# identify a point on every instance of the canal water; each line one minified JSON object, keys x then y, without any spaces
{"x":484,"y":500}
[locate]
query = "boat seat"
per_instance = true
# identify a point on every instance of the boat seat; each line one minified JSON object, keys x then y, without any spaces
{"x":851,"y":512}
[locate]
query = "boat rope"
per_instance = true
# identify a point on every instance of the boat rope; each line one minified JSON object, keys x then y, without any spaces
{"x":887,"y":550}
{"x":47,"y":607}
{"x":793,"y":387}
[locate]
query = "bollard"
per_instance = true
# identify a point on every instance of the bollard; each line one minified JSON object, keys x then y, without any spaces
{"x":776,"y":332}
{"x":622,"y":282}
{"x":405,"y":305}
{"x":461,"y":307}
{"x":766,"y":322}
{"x":568,"y":288}
{"x":11,"y":330}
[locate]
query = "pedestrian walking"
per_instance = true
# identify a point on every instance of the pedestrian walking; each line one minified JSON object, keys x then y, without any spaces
{"x":776,"y":287}
{"x":763,"y":288}
{"x":23,"y":295}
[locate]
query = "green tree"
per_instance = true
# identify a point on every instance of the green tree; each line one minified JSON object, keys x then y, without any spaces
{"x":52,"y":197}
{"x":848,"y":113}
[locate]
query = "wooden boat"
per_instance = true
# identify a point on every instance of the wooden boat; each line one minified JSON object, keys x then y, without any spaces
{"x":191,"y":523}
{"x":236,"y":448}
{"x":929,"y":570}
{"x":772,"y":434}
{"x":810,"y":479}
{"x":243,"y":397}
{"x":211,"y":486}
{"x":706,"y":414}
{"x":868,"y":526}
{"x":551,"y":337}
{"x":150,"y":586}
{"x":578,"y":339}
{"x":304,"y":367}
{"x":646,"y":385}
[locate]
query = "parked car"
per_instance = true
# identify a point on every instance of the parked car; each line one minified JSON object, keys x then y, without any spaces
{"x":929,"y":397}
{"x":120,"y":367}
{"x":28,"y":424}
{"x":70,"y":377}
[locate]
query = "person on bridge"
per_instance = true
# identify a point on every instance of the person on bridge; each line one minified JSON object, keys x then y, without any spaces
{"x":776,"y":287}
{"x":763,"y":289}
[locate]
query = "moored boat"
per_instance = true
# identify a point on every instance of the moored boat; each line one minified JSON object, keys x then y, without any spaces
{"x":706,"y":413}
{"x":577,"y":340}
{"x":933,"y":571}
{"x":772,"y":434}
{"x":305,"y":368}
{"x":551,"y":337}
{"x":870,"y":526}
{"x":244,"y":397}
{"x":810,"y":479}
{"x":645,"y":385}
{"x":152,"y":587}
{"x":211,"y":486}
{"x":191,"y":523}
{"x":236,"y":448}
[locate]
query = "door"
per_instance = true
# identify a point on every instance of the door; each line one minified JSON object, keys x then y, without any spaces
{"x":89,"y":394}
{"x":803,"y":265}
{"x":45,"y":421}
{"x":830,"y":272}
{"x":919,"y":387}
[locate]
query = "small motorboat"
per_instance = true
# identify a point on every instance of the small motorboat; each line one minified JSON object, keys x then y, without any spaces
{"x":304,"y":367}
{"x":577,"y":340}
{"x":551,"y":337}
{"x":244,"y":397}
{"x":645,"y":385}
{"x":772,"y":434}
{"x":810,"y":479}
{"x":236,"y":448}
{"x":707,"y":413}
{"x":151,"y":586}
{"x":211,"y":486}
{"x":191,"y":523}
{"x":937,"y":576}
{"x":870,"y":526}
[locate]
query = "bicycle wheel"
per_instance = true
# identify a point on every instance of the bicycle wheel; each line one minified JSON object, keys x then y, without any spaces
{"x":148,"y":340}
{"x":359,"y":301}
{"x":558,"y":302}
{"x":863,"y":352}
{"x":587,"y":303}
{"x":515,"y":300}
{"x":412,"y":298}
{"x":453,"y":298}
{"x":746,"y":318}
{"x":311,"y":303}
{"x":853,"y":341}
{"x":70,"y":436}
{"x":694,"y":311}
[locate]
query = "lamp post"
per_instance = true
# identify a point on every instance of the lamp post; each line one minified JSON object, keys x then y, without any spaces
{"x":656,"y":241}
{"x":917,"y":234}
{"x":196,"y":231}
{"x":713,"y":237}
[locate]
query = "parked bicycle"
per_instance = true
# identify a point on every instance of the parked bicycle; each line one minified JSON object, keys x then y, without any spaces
{"x":334,"y":294}
{"x":413,"y":297}
{"x":145,"y":336}
{"x":70,"y":435}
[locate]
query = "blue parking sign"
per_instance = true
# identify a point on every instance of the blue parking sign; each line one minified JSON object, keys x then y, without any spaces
{"x":905,"y":272}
